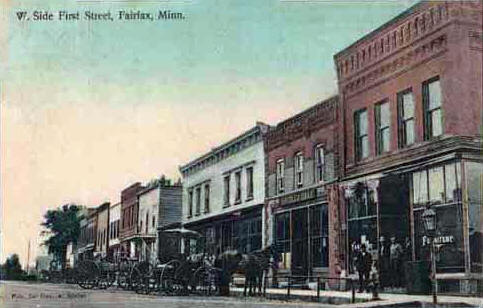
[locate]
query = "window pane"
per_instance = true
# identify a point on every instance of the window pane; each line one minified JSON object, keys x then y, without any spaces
{"x":436,"y":123}
{"x":434,"y":90}
{"x":450,"y":177}
{"x":436,"y":184}
{"x":420,"y":187}
{"x":364,"y":147}
{"x":385,"y":115}
{"x":409,"y":132}
{"x":408,"y":106}
{"x":362,"y":123}
{"x":385,"y":140}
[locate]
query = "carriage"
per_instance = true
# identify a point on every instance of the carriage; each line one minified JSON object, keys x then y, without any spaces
{"x":184,"y":267}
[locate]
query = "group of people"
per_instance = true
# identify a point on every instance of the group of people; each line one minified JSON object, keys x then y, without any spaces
{"x":384,"y":270}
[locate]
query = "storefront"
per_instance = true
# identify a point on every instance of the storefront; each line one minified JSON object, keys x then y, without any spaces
{"x":384,"y":214}
{"x":239,"y":230}
{"x":300,"y":233}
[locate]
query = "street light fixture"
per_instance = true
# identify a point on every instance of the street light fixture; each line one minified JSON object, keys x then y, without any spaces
{"x":429,"y":221}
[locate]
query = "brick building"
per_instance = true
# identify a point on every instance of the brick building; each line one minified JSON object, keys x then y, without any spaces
{"x":410,"y":105}
{"x":102,"y":230}
{"x":301,"y":165}
{"x":128,"y":232}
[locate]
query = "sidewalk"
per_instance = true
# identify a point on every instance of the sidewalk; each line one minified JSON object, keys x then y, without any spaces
{"x":364,"y":299}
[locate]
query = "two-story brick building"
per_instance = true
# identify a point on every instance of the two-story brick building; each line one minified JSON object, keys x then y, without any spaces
{"x":128,"y":232}
{"x":410,"y":105}
{"x":301,"y":164}
{"x":224,"y":191}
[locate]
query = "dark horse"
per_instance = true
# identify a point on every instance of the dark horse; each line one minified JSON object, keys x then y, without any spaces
{"x":255,"y":266}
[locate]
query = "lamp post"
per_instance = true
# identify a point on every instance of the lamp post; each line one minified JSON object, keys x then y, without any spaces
{"x":429,"y":220}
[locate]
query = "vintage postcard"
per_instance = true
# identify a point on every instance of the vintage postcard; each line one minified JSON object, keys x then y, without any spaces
{"x":256,"y":153}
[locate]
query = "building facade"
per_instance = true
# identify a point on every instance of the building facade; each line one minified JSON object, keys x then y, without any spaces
{"x":87,"y":237}
{"x":301,"y":165}
{"x":410,"y":102}
{"x":128,"y":233}
{"x":159,"y":206}
{"x":102,"y":230}
{"x":113,"y":249}
{"x":223,"y":193}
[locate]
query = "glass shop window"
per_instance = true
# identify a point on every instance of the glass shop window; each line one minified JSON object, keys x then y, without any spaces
{"x":282,"y":237}
{"x":437,"y":185}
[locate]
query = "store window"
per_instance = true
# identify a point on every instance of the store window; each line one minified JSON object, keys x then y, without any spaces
{"x":319,"y":237}
{"x":474,"y":184}
{"x":299,"y":169}
{"x":361,"y":135}
{"x":319,"y":163}
{"x":437,"y":185}
{"x":406,"y":118}
{"x":383,"y":124}
{"x":282,"y":238}
{"x":433,"y":115}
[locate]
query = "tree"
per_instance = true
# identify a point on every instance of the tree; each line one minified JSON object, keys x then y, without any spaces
{"x":12,"y":270}
{"x":63,"y":226}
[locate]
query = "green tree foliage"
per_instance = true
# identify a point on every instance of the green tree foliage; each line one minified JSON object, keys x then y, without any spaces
{"x":11,"y":269}
{"x":63,"y":226}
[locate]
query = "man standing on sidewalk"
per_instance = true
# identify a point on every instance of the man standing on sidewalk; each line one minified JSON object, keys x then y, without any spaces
{"x":363,"y":265}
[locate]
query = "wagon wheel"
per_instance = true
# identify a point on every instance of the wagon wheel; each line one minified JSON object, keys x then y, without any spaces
{"x":205,"y":280}
{"x":140,"y":276}
{"x":124,"y":275}
{"x":87,"y":274}
{"x":106,"y":278}
{"x":167,"y":283}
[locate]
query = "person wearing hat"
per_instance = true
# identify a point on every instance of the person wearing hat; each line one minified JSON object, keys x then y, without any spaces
{"x":363,"y":266}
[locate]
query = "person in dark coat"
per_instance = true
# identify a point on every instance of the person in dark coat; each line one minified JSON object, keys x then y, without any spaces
{"x":383,"y":261}
{"x":363,"y":266}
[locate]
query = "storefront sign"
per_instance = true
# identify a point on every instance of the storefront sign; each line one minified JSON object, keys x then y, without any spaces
{"x":298,"y":196}
{"x":449,"y":239}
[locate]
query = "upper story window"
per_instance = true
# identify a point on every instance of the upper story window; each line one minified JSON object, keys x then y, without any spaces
{"x":383,"y":123}
{"x":190,"y":203}
{"x":154,"y":221}
{"x":361,"y":136}
{"x":207,"y":198}
{"x":299,"y":169}
{"x":249,"y":172}
{"x":238,"y":187}
{"x":280,"y":175}
{"x":226,"y":186}
{"x":433,"y":116}
{"x":147,"y":222}
{"x":198,"y":200}
{"x":319,"y":163}
{"x":406,"y":118}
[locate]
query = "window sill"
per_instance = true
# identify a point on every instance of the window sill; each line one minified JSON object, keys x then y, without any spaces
{"x":226,"y":205}
{"x":249,"y":199}
{"x":237,"y":202}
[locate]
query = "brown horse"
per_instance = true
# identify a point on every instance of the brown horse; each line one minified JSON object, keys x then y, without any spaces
{"x":255,"y":266}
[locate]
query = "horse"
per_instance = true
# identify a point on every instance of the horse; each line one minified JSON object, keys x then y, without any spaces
{"x":255,"y":266}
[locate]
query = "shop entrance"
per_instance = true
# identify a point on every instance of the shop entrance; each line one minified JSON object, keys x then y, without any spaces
{"x":300,"y":242}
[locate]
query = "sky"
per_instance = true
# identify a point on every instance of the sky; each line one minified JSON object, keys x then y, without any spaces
{"x":89,"y":107}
